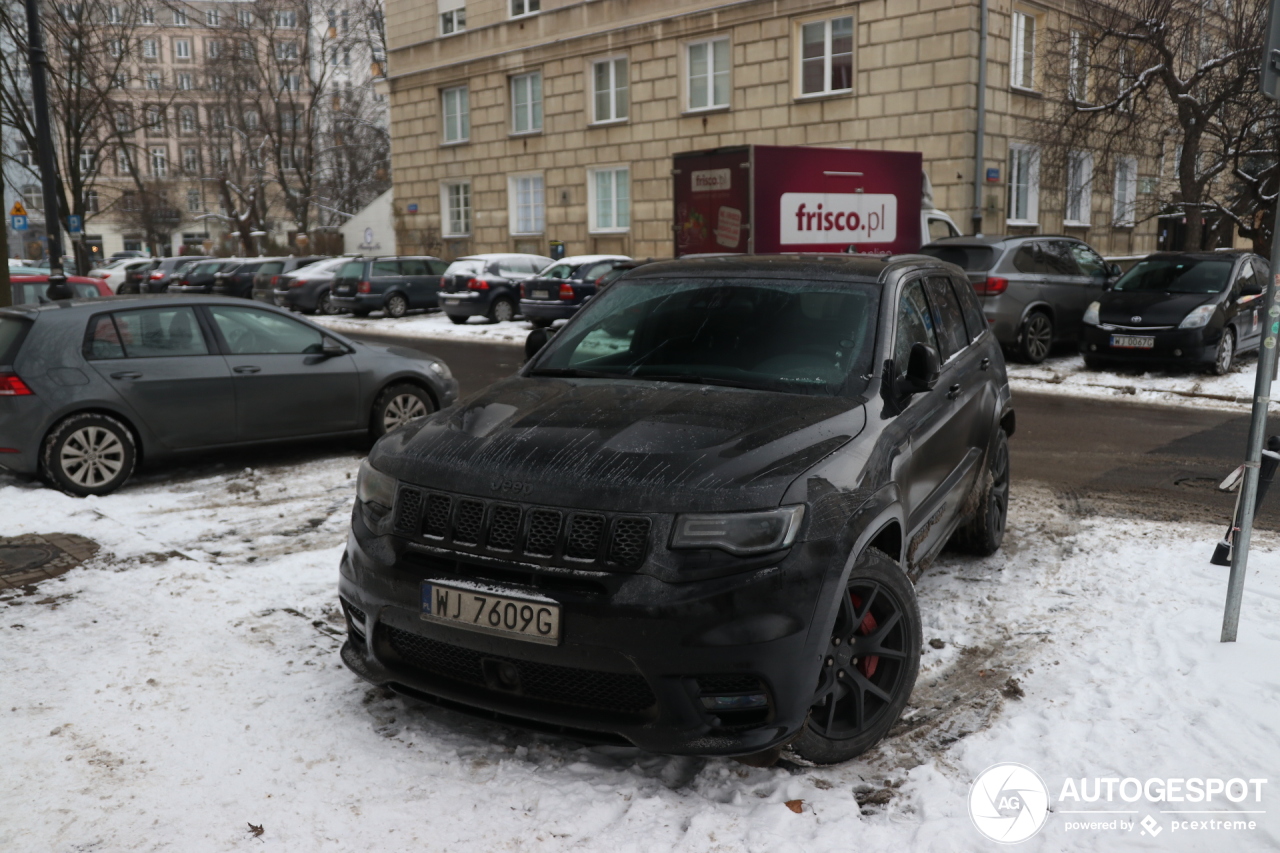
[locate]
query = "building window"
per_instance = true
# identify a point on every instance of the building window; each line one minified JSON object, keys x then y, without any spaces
{"x":150,"y":49}
{"x":193,"y":201}
{"x":1126,"y":190}
{"x":153,"y":80}
{"x":609,"y":86}
{"x":218,"y":118}
{"x":159,"y":162}
{"x":528,"y":208}
{"x":223,"y":156}
{"x":1079,"y":187}
{"x":456,"y":200}
{"x":453,"y":16}
{"x":32,"y":197}
{"x":286,"y":18}
{"x":609,"y":199}
{"x":244,"y":17}
{"x":179,"y":18}
{"x":87,"y":164}
{"x":826,"y":56}
{"x":154,"y":117}
{"x":286,"y":50}
{"x":251,"y":119}
{"x":24,"y":155}
{"x":212,"y":17}
{"x":526,"y":103}
{"x":1077,"y":67}
{"x":114,"y":16}
{"x":217,"y":82}
{"x":1024,"y":185}
{"x":187,"y":120}
{"x":1023,"y":59}
{"x":184,"y":82}
{"x":123,"y":124}
{"x":520,"y":8}
{"x":191,"y":159}
{"x":457,"y":115}
{"x":213,"y":48}
{"x":115,"y":47}
{"x":291,"y":82}
{"x":124,"y":166}
{"x":708,"y":63}
{"x":147,"y":15}
{"x":91,"y":201}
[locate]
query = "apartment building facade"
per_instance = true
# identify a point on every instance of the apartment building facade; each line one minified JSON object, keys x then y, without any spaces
{"x":517,"y":122}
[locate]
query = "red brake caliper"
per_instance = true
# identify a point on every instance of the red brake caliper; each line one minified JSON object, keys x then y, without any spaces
{"x":867,"y":665}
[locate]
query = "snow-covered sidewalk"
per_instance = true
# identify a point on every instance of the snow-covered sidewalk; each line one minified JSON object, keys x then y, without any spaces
{"x":433,"y":326}
{"x":185,"y":684}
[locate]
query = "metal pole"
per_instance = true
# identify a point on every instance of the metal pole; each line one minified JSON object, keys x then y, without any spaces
{"x":39,"y":63}
{"x":1257,"y":430}
{"x":981,"y":130}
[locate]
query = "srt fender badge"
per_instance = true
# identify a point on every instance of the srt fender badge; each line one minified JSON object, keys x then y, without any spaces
{"x":511,"y":486}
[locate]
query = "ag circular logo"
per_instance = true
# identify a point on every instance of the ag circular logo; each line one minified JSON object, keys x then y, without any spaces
{"x":1008,"y":803}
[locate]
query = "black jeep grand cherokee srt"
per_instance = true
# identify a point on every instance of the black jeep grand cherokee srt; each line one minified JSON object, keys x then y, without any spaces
{"x":692,"y":521}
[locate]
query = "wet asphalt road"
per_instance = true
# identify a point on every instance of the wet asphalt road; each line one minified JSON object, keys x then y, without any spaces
{"x":1152,"y":462}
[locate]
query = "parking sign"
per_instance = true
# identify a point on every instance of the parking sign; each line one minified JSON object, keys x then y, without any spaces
{"x":74,"y":223}
{"x":19,"y":223}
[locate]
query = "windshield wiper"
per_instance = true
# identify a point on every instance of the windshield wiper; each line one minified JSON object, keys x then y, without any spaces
{"x":572,"y":372}
{"x":694,"y":379}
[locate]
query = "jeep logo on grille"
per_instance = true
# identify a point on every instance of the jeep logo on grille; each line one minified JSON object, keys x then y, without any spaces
{"x":511,"y":486}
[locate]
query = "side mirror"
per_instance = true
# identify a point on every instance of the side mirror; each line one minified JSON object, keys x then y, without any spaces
{"x":535,"y":342}
{"x":1253,"y":289}
{"x":1114,"y":270}
{"x":923,"y":369}
{"x":333,"y":349}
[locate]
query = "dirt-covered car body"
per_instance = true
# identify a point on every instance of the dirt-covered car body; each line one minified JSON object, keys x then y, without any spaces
{"x":563,"y":486}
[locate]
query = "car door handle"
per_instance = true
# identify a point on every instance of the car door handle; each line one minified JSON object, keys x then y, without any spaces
{"x":248,"y":368}
{"x":984,"y":364}
{"x":953,"y":391}
{"x":126,"y":374}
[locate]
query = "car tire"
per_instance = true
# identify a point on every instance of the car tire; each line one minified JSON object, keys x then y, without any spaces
{"x":127,"y":290}
{"x":324,"y":305}
{"x":1225,"y":354}
{"x":502,"y":310}
{"x":540,"y":322}
{"x":857,"y":703}
{"x":1036,"y":338}
{"x":360,"y":312}
{"x":397,"y":306}
{"x":983,"y":534}
{"x":89,"y":454}
{"x":456,"y":320}
{"x":397,"y":405}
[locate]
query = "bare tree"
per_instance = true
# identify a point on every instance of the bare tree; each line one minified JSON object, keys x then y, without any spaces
{"x":1172,"y":80}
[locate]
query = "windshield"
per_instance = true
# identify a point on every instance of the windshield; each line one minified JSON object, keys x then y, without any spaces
{"x":465,"y":268}
{"x":968,"y":258}
{"x":798,"y":337}
{"x":1177,"y":275}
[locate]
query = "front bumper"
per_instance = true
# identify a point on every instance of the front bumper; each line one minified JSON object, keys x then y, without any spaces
{"x":1171,"y":346}
{"x":548,"y":309}
{"x":637,"y":654}
{"x":469,"y":303}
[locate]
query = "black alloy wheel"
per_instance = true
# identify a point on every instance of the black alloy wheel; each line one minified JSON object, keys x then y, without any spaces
{"x":869,"y":666}
{"x":324,"y":304}
{"x":1226,"y":353}
{"x":984,"y":533}
{"x":1036,"y":338}
{"x":397,"y":305}
{"x":502,"y":310}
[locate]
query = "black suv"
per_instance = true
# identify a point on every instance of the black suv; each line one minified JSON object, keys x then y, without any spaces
{"x":487,"y":285}
{"x":692,"y":520}
{"x":199,"y":277}
{"x":394,"y":285}
{"x":237,"y":280}
{"x":561,"y":289}
{"x":268,"y":275}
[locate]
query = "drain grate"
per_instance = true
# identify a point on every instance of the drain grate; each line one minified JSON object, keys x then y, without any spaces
{"x":26,"y":560}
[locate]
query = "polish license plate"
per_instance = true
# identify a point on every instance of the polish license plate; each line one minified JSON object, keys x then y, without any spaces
{"x":540,"y":294}
{"x":478,"y":609}
{"x":344,"y":290}
{"x":1132,"y":342}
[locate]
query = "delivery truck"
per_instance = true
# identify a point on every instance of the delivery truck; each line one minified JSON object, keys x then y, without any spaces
{"x":769,"y":198}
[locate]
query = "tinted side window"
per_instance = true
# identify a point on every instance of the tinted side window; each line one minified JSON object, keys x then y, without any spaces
{"x":915,"y":325}
{"x":1089,"y":260}
{"x":1058,"y":259}
{"x":975,"y":321}
{"x":272,"y":268}
{"x":437,"y":267}
{"x":1247,"y":277}
{"x":413,"y":267}
{"x":948,"y":321}
{"x":104,"y":340}
{"x":1024,"y":260}
{"x":158,"y":332}
{"x":354,"y":269}
{"x":249,"y":331}
{"x":382,"y":269}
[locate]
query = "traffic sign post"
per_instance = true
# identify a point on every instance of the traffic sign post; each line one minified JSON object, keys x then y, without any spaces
{"x":75,"y":224}
{"x":18,"y":223}
{"x":1269,"y":83}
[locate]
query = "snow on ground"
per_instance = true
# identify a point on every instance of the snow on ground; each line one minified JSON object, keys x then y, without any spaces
{"x":186,"y":683}
{"x":432,"y":326}
{"x":1066,"y":375}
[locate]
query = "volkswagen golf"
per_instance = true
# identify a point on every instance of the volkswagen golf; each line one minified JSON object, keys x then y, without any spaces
{"x":693,"y":520}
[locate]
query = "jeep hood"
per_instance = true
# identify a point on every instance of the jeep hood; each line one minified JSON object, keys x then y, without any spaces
{"x":622,"y":444}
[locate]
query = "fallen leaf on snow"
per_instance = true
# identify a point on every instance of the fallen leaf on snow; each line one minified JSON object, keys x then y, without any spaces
{"x":796,"y":806}
{"x":256,"y":831}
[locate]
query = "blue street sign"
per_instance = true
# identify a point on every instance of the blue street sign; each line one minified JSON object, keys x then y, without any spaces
{"x":74,"y":224}
{"x":19,"y":223}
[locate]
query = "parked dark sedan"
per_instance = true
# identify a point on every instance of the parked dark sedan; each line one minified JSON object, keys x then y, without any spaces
{"x":691,"y":521}
{"x":161,"y":273}
{"x":268,"y":275}
{"x":237,"y":280}
{"x":199,"y":277}
{"x":89,"y":388}
{"x":393,"y":285}
{"x":560,"y":290}
{"x":1194,"y":309}
{"x":308,"y":289}
{"x":487,"y":285}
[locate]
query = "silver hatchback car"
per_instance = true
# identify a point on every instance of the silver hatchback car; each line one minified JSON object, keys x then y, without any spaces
{"x":1034,"y":289}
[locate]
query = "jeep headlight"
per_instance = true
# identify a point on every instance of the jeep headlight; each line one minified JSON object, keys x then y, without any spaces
{"x":375,"y":489}
{"x":1091,"y":314}
{"x":740,"y":533}
{"x":1198,"y":318}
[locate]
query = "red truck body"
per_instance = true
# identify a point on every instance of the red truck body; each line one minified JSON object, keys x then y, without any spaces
{"x":769,"y":198}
